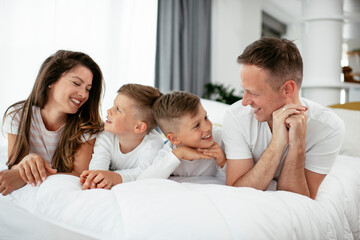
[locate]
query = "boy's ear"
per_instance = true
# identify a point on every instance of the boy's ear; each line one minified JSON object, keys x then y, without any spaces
{"x":140,"y":127}
{"x":173,"y":138}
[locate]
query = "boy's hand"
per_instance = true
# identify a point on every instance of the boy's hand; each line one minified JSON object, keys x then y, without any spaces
{"x":99,"y":179}
{"x":215,"y":152}
{"x":190,"y":154}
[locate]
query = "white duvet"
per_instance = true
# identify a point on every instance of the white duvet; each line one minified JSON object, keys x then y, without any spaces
{"x":165,"y":209}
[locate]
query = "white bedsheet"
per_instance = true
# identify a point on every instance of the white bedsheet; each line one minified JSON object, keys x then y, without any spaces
{"x":165,"y":209}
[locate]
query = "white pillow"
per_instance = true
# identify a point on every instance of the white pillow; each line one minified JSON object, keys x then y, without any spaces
{"x":215,"y":110}
{"x":351,"y":144}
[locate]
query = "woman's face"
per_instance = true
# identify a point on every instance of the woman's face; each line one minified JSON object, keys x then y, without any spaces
{"x":71,"y":91}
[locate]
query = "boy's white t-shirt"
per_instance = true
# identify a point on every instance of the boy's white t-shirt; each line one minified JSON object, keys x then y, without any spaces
{"x":245,"y":137}
{"x":42,"y":141}
{"x":108,"y":156}
{"x":166,"y":163}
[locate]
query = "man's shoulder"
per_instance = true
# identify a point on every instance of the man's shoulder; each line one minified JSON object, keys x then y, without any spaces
{"x":322,"y":115}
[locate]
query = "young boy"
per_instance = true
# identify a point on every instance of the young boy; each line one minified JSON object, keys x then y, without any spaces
{"x":129,"y":143}
{"x":193,"y":148}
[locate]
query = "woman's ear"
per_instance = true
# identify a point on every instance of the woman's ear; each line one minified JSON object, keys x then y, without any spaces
{"x":288,"y":88}
{"x":173,"y":138}
{"x":140,"y":127}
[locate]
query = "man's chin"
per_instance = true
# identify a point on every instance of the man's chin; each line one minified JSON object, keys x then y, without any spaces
{"x":260,"y":118}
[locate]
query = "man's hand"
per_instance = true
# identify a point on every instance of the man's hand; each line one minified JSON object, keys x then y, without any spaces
{"x":10,"y":180}
{"x":190,"y":154}
{"x":297,"y":129}
{"x":283,"y":118}
{"x":34,"y":169}
{"x":215,"y":152}
{"x":99,"y":179}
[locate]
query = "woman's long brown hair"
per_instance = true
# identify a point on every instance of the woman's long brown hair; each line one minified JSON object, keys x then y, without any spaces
{"x":86,"y":120}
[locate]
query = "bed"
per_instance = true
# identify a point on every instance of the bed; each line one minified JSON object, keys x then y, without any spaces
{"x":189,"y":208}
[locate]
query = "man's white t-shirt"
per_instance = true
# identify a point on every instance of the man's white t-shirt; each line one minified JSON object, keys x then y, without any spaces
{"x":245,"y":137}
{"x":42,"y":141}
{"x":108,"y":156}
{"x":166,"y":163}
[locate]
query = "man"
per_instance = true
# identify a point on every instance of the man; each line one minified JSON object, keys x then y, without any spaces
{"x":273,"y":133}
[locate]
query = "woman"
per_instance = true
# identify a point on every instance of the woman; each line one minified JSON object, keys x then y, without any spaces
{"x":54,"y":129}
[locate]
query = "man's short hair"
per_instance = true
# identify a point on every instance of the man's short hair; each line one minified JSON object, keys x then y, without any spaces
{"x":145,"y":97}
{"x":170,"y":107}
{"x":280,"y":57}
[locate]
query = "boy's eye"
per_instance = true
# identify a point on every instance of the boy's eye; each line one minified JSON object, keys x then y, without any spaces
{"x":197,"y":125}
{"x":117,"y":109}
{"x":206,"y":117}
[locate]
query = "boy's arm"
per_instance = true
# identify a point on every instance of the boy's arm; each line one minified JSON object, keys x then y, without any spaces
{"x":168,"y":160}
{"x":101,"y":158}
{"x":143,"y":160}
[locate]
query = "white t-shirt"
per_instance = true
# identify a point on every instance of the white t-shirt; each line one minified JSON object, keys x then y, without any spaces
{"x":245,"y":137}
{"x":108,"y":156}
{"x":42,"y":141}
{"x":166,"y":163}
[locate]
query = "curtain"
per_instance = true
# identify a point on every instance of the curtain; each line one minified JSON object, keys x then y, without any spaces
{"x":183,"y":45}
{"x":120,"y":35}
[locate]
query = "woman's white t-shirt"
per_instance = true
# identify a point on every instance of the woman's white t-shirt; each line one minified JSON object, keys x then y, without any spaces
{"x":42,"y":141}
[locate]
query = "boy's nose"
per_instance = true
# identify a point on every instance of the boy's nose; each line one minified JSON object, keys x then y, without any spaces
{"x":207,"y":126}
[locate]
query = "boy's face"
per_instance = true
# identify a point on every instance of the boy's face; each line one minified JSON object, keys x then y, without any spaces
{"x":195,"y":131}
{"x":120,"y":118}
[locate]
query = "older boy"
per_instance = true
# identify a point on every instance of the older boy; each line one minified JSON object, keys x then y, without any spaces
{"x":129,"y":143}
{"x":194,"y":146}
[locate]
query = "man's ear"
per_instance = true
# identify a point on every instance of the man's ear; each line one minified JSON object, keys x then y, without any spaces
{"x":173,"y":138}
{"x":288,"y":88}
{"x":140,"y":127}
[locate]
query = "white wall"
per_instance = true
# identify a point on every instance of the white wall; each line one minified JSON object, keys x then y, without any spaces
{"x":119,"y":35}
{"x":235,"y":24}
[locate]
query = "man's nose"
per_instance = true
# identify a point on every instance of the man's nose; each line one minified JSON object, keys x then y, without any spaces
{"x":246,"y":99}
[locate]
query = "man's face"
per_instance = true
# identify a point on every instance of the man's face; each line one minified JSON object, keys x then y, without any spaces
{"x":258,"y":94}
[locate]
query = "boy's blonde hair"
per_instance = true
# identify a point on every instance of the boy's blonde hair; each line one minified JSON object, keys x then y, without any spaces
{"x":170,"y":107}
{"x":144,"y":96}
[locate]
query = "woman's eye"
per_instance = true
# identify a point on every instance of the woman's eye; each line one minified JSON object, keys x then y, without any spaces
{"x":88,"y":90}
{"x":77,"y":84}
